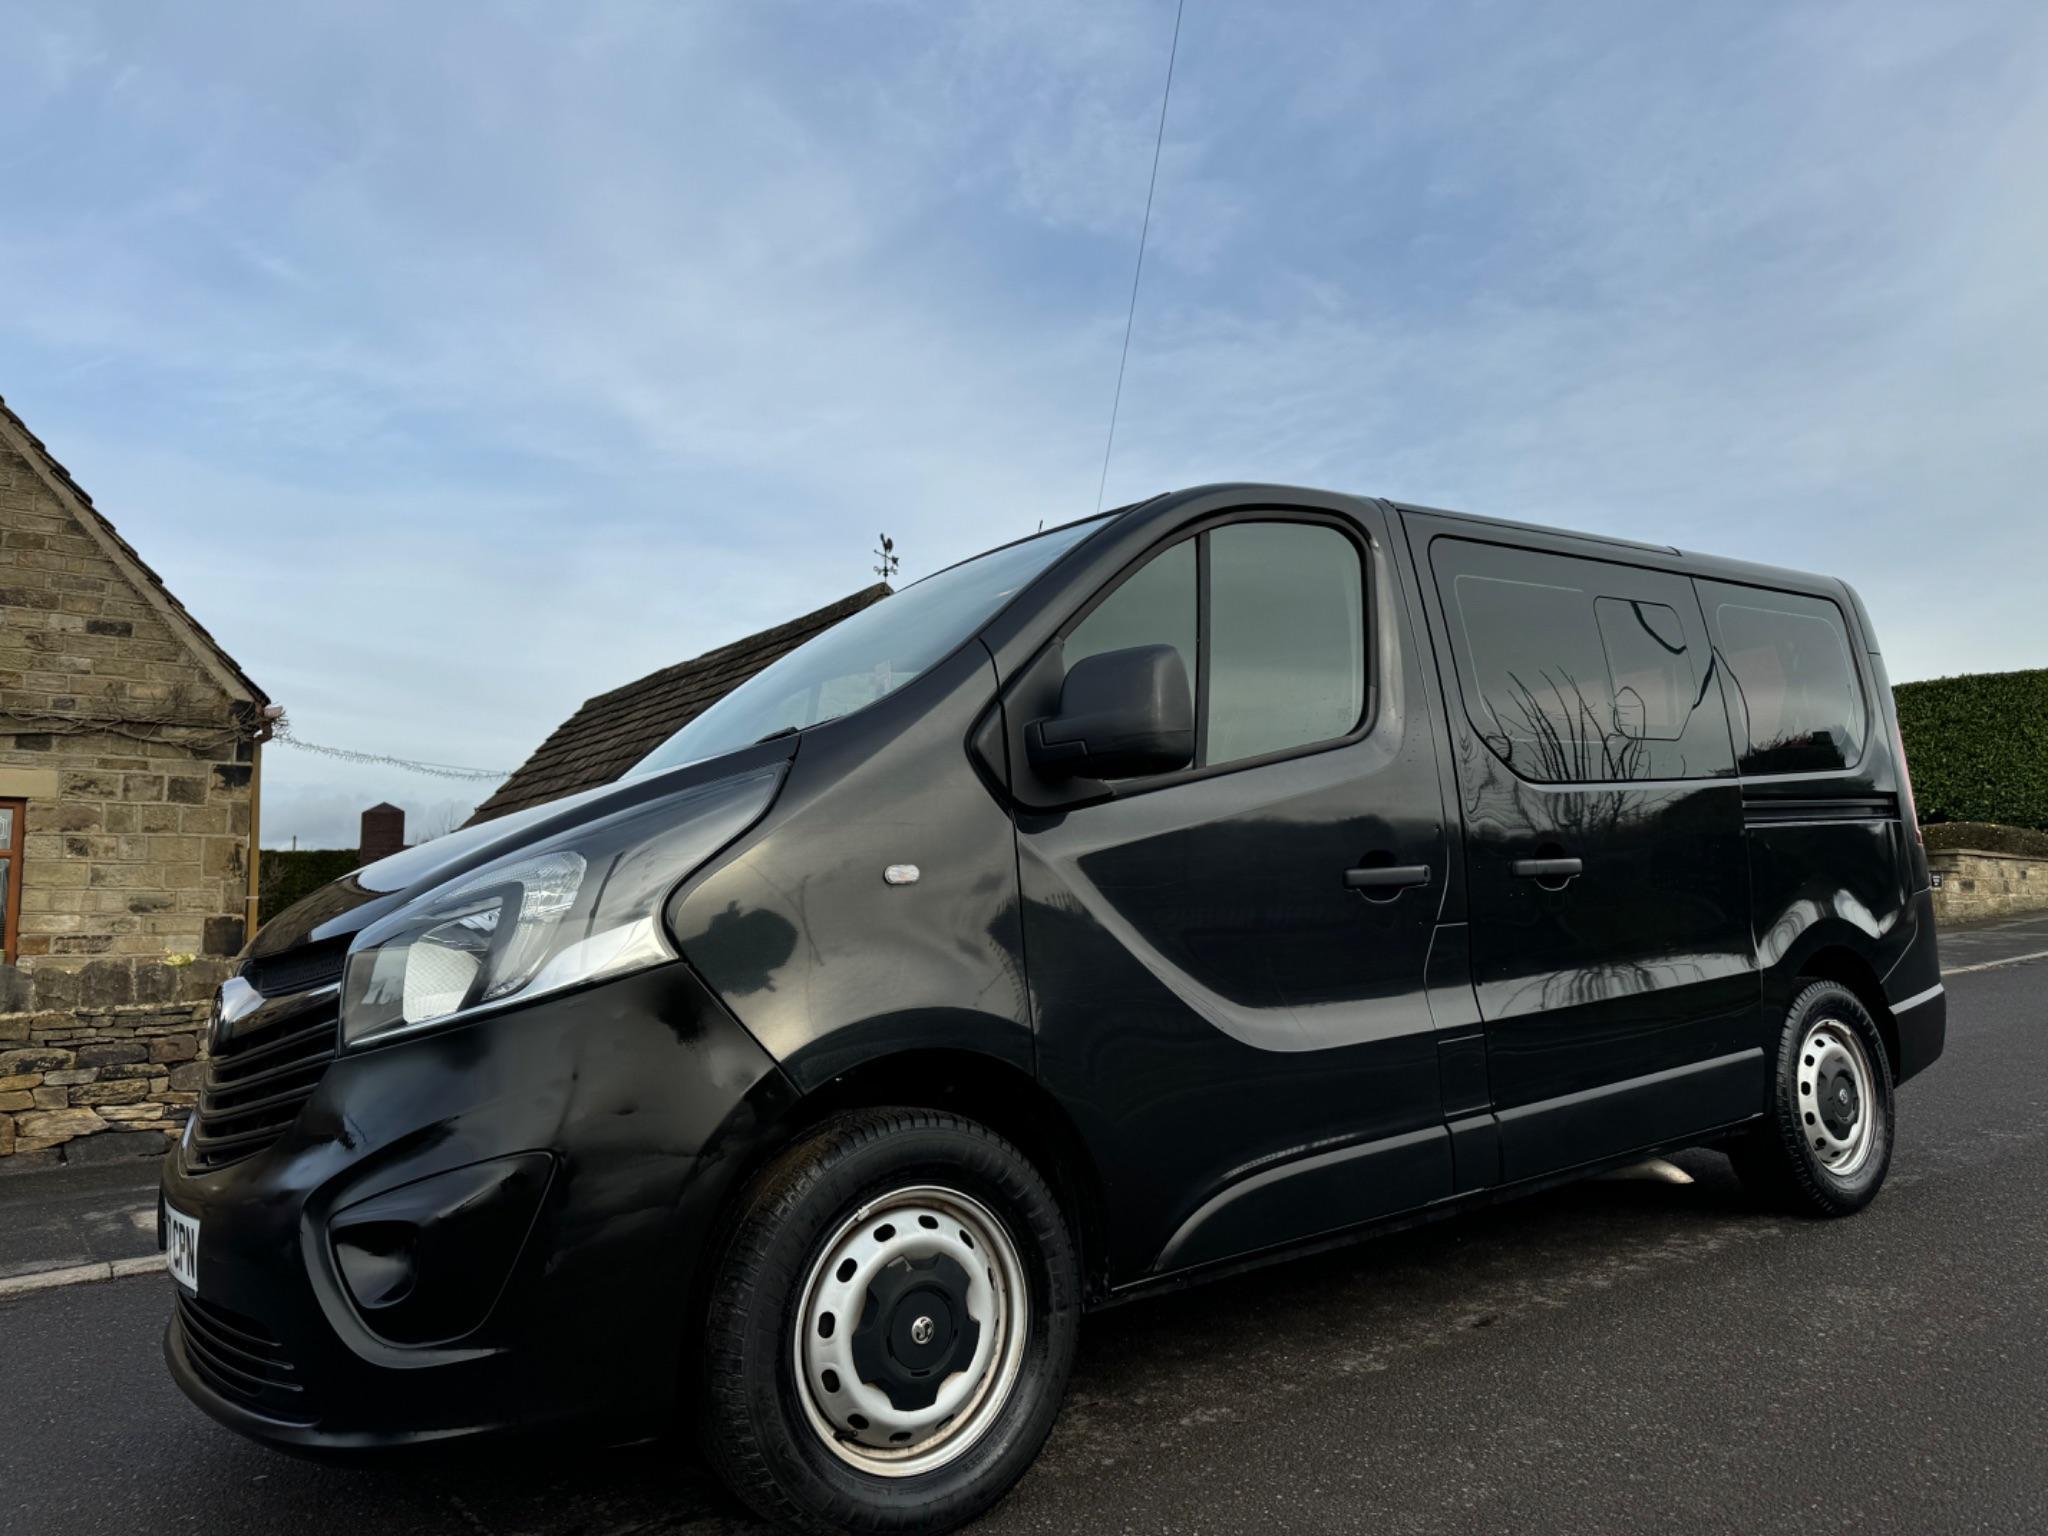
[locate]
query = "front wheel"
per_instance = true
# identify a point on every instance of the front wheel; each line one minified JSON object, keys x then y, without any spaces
{"x":891,"y":1326}
{"x":1825,"y":1143}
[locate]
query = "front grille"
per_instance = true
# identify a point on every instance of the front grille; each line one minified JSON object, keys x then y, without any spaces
{"x":257,"y":1081}
{"x":239,"y":1359}
{"x":297,"y":970}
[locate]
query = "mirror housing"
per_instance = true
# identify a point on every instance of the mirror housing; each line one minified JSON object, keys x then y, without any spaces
{"x":1123,"y":714}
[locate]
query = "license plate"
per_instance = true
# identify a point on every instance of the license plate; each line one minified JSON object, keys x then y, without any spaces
{"x":181,"y":1248}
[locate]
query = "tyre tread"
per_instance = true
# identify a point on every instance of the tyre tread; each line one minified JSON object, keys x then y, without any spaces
{"x":1771,"y":1160}
{"x":748,"y":1265}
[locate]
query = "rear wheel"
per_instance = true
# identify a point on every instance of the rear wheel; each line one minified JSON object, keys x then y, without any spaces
{"x":1825,"y":1144}
{"x":891,"y":1328}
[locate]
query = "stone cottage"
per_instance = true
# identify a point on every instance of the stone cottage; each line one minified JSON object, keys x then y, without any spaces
{"x":129,"y":769}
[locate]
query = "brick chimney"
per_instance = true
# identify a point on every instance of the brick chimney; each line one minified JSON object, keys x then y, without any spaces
{"x":383,"y":832}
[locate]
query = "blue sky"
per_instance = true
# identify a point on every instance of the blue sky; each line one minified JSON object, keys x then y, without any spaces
{"x":456,"y":363}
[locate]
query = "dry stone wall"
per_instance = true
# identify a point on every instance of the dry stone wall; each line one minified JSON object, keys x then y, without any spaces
{"x":130,"y":1074}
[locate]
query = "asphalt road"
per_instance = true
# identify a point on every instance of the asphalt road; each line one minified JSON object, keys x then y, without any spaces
{"x":1627,"y":1355}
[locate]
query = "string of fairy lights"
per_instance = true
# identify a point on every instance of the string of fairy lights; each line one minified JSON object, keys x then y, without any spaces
{"x":282,"y":732}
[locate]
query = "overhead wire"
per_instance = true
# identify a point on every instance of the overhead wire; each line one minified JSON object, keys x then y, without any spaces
{"x":1138,"y":272}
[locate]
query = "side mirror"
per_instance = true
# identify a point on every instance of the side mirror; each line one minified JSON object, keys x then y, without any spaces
{"x":1122,"y":714}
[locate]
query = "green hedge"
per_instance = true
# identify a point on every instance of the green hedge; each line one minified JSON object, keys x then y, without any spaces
{"x":287,"y":874}
{"x":1978,"y":746}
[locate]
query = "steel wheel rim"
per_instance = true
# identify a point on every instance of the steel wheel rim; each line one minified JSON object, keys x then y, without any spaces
{"x":850,"y":1408}
{"x":1835,"y":1097}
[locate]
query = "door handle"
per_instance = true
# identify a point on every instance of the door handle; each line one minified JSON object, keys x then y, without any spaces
{"x":1548,"y":869}
{"x":1386,"y":877}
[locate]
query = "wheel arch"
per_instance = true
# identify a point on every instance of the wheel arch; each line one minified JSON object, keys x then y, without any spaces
{"x":1000,"y":1096}
{"x":1845,"y":967}
{"x":974,"y":1085}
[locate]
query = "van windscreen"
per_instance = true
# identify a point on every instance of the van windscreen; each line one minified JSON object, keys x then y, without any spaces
{"x":866,"y":656}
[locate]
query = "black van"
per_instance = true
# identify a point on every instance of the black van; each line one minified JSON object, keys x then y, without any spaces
{"x":1245,"y":871}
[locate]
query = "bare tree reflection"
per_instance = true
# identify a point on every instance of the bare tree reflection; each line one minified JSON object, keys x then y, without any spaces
{"x":1565,"y":742}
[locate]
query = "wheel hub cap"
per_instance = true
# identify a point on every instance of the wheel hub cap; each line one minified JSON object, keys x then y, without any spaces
{"x":1839,"y":1103}
{"x":1833,"y":1083}
{"x":910,"y":1331}
{"x":916,"y":1329}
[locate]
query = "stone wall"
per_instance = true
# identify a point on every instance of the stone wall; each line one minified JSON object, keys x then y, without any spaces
{"x":134,"y":762}
{"x":128,"y":737}
{"x":1976,"y":885}
{"x":136,"y":850}
{"x":99,"y":1081}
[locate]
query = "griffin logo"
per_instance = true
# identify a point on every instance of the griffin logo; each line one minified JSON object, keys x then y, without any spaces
{"x":235,"y":1001}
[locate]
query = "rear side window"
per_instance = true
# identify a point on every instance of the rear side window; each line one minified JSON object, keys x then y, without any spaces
{"x":1796,"y":704}
{"x":1580,"y":671}
{"x":1541,"y":675}
{"x":1269,"y":618}
{"x":1649,"y":665}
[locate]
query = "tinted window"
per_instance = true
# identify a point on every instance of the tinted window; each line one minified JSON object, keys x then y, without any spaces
{"x":1580,"y":671}
{"x":1155,"y":606}
{"x":1797,"y":705}
{"x":1285,"y":610}
{"x":1647,"y":666}
{"x":1545,"y":704}
{"x":1286,"y":638}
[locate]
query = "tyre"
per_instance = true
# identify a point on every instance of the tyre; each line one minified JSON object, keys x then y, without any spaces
{"x":1825,"y":1142}
{"x":890,"y":1328}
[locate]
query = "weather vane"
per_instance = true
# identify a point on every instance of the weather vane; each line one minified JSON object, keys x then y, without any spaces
{"x":887,"y":555}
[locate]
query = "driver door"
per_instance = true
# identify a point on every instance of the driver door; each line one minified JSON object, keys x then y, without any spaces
{"x":1235,"y":1016}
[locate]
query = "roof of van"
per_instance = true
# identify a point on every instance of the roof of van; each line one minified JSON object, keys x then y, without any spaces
{"x":1563,"y":533}
{"x":1715,"y":567}
{"x":1695,"y":562}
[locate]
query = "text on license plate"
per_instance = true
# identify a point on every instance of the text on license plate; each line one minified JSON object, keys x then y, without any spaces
{"x":181,"y":1248}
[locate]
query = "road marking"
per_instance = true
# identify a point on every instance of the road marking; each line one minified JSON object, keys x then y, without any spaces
{"x":1987,"y":965}
{"x":78,"y":1274}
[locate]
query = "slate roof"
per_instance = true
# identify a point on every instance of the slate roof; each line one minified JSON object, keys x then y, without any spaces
{"x":182,"y":623}
{"x":614,"y":730}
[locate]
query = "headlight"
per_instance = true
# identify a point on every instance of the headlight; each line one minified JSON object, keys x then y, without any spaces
{"x":571,"y":910}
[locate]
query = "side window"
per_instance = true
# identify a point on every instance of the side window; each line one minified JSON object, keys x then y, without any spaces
{"x":1286,"y":638}
{"x":1544,"y":703}
{"x":1797,"y":705}
{"x":1580,"y":671}
{"x":1155,"y":606}
{"x":1284,"y":607}
{"x":1648,"y":662}
{"x":10,"y":876}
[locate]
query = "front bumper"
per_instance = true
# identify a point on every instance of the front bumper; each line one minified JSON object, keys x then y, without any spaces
{"x":492,"y":1227}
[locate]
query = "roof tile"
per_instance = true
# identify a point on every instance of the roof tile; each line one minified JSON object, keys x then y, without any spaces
{"x":615,"y":729}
